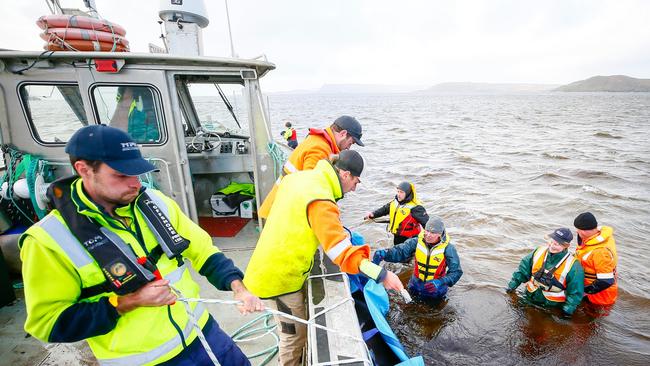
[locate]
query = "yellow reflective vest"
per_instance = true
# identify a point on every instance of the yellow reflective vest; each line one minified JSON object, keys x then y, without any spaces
{"x":284,"y":254}
{"x":56,"y":267}
{"x":430,"y":262}
{"x":554,"y":293}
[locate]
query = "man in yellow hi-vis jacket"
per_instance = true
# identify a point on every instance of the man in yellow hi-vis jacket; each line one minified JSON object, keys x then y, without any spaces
{"x":99,"y":267}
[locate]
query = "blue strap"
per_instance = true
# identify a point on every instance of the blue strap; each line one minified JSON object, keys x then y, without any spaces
{"x":369,"y":334}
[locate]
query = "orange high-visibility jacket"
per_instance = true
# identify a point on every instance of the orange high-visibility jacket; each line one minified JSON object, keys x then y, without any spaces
{"x":599,"y":259}
{"x":318,"y":145}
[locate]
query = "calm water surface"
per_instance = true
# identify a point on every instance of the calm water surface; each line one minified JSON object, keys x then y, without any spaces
{"x":503,"y":171}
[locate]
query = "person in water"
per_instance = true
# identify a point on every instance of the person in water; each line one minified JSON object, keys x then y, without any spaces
{"x":597,"y":254}
{"x":436,"y":264}
{"x":290,"y":135}
{"x":554,"y":277}
{"x":406,"y":213}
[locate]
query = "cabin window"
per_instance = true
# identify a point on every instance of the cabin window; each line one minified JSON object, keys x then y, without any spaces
{"x":220,"y":107}
{"x":133,"y":108}
{"x":54,"y":111}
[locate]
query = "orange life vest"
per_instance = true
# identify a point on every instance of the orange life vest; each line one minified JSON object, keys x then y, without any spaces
{"x":560,"y":271}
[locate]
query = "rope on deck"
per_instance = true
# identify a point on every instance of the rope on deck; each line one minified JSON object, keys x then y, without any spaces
{"x":311,"y":322}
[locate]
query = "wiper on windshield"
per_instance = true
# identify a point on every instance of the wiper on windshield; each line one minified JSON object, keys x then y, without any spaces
{"x":227,"y":102}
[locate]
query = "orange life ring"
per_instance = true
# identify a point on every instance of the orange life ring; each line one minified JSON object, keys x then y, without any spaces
{"x":83,"y":45}
{"x":68,"y":34}
{"x":78,"y":21}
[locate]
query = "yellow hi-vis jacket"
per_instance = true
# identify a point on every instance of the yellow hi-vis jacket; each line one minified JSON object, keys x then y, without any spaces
{"x":554,"y":293}
{"x":284,"y":254}
{"x":56,"y":267}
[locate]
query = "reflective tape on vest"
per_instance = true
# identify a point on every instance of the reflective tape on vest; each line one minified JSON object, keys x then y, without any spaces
{"x":67,"y":241}
{"x":437,"y":251}
{"x":570,"y":259}
{"x":158,"y":352}
{"x":422,"y":248}
{"x":176,"y":275}
{"x":557,"y":296}
{"x":605,"y":276}
{"x":290,"y":167}
{"x":339,"y":248}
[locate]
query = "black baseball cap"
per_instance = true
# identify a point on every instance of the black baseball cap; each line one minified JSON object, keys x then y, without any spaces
{"x":353,"y":127}
{"x":111,"y":146}
{"x":351,"y":161}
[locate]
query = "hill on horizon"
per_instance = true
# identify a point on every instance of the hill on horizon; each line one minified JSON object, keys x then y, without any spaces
{"x":612,"y":83}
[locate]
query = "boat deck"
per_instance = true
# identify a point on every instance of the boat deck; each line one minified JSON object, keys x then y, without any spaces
{"x":18,"y":348}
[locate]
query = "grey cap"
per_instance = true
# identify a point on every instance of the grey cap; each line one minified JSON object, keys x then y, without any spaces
{"x":351,"y":125}
{"x":435,"y":225}
{"x":351,"y":161}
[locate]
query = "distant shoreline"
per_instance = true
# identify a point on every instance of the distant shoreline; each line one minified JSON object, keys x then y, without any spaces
{"x":605,"y":84}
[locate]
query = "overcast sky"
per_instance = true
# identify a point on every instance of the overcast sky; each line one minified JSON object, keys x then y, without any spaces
{"x":421,"y":42}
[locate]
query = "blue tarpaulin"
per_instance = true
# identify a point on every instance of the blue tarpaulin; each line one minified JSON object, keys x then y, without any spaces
{"x":377,"y":302}
{"x":376,"y":299}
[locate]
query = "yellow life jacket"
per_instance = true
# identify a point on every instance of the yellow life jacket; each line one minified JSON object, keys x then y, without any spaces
{"x":430,"y":262}
{"x":398,"y":213}
{"x":561,"y":270}
{"x":144,"y":335}
{"x":284,"y":254}
{"x":288,"y":133}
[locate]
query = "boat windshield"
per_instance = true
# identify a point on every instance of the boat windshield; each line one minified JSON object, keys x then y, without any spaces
{"x":220,"y":107}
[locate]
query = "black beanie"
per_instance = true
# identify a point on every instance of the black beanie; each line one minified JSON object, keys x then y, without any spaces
{"x":585,"y":221}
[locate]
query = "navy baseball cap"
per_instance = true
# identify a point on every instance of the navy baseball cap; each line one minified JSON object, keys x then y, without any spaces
{"x":561,"y":235}
{"x":111,"y":146}
{"x":353,"y":127}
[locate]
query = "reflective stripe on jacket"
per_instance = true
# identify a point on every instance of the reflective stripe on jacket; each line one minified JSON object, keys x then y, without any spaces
{"x":599,"y":260}
{"x":430,"y":262}
{"x":563,"y":267}
{"x":144,"y":335}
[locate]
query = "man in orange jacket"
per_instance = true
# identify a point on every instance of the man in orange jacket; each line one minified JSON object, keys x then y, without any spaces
{"x":319,"y":144}
{"x":597,"y":253}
